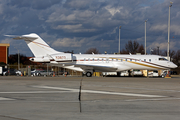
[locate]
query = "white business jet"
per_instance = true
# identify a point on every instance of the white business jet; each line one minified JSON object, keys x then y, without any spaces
{"x":89,"y":63}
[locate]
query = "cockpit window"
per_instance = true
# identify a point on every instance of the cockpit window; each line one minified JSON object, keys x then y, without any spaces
{"x":163,"y":59}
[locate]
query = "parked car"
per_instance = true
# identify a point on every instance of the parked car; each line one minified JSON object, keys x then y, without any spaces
{"x":44,"y":73}
{"x":10,"y":72}
{"x":124,"y":73}
{"x":153,"y":73}
{"x":63,"y":73}
{"x":136,"y":73}
{"x":35,"y":72}
{"x":18,"y":72}
{"x":109,"y":73}
{"x":173,"y":72}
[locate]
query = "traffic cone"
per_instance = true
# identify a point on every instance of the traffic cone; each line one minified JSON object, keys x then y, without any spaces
{"x":21,"y":74}
{"x":53,"y":74}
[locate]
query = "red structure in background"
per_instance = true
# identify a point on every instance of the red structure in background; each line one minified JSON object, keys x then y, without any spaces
{"x":4,"y":52}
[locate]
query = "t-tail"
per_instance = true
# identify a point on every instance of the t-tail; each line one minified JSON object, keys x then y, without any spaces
{"x":39,"y":47}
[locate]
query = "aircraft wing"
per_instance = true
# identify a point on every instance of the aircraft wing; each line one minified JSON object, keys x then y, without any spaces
{"x":98,"y":68}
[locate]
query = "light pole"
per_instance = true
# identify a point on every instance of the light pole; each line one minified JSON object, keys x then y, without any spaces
{"x":145,"y":37}
{"x":169,"y":31}
{"x":119,"y":38}
{"x":18,"y":59}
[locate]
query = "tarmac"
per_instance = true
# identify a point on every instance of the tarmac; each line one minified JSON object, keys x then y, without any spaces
{"x":100,"y":98}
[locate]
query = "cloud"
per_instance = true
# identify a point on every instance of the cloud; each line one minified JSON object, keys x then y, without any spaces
{"x":7,"y":40}
{"x":113,"y":10}
{"x":74,"y":28}
{"x":175,"y":29}
{"x":159,"y":28}
{"x":67,"y":42}
{"x":80,"y":24}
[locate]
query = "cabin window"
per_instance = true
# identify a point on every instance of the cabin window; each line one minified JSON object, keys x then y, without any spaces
{"x":135,"y":60}
{"x":102,"y":59}
{"x":84,"y":59}
{"x":130,"y":59}
{"x":88,"y":59}
{"x":149,"y":60}
{"x":93,"y":59}
{"x":163,"y":59}
{"x":144,"y":60}
{"x":98,"y":59}
{"x":126,"y":59}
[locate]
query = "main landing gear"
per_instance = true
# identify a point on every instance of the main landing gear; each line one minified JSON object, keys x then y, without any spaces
{"x":88,"y":74}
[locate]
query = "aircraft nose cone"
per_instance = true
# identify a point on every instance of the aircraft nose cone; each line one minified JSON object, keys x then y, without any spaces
{"x":174,"y":65}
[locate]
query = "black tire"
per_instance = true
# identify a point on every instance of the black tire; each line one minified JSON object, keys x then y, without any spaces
{"x":89,"y":74}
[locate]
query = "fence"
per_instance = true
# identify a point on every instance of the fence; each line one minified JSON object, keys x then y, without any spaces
{"x":57,"y":70}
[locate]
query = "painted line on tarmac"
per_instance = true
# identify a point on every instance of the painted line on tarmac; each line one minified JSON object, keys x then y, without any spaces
{"x":161,"y":99}
{"x":100,"y":92}
{"x":34,"y":92}
{"x":2,"y":98}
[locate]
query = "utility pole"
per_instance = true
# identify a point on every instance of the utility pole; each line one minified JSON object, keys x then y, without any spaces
{"x":18,"y":59}
{"x":169,"y":30}
{"x":145,"y":37}
{"x":158,"y":49}
{"x":119,"y":38}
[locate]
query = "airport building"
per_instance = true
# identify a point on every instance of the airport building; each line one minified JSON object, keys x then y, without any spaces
{"x":4,"y":52}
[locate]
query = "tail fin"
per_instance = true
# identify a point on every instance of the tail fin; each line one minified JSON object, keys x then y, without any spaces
{"x":36,"y":44}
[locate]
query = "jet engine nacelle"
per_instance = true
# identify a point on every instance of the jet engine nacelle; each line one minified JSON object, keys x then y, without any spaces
{"x":40,"y":59}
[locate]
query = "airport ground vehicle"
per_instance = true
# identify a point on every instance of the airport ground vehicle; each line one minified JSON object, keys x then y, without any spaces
{"x":164,"y":73}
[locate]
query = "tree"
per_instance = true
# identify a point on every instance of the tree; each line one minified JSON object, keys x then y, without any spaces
{"x":141,"y":49}
{"x":171,"y":53}
{"x":133,"y":47}
{"x":13,"y":59}
{"x":176,"y":58}
{"x":69,"y":51}
{"x":92,"y":50}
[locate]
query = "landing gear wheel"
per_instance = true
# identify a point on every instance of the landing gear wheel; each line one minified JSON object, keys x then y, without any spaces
{"x":89,"y":74}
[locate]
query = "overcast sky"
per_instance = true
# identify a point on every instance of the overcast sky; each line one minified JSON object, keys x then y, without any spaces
{"x":81,"y":24}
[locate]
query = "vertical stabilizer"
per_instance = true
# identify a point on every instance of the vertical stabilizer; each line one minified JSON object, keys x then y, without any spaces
{"x":38,"y":46}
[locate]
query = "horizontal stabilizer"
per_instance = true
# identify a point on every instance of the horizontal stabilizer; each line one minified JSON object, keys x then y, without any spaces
{"x":22,"y":37}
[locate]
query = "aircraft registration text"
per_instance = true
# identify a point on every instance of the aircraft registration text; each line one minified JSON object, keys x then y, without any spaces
{"x":60,"y":57}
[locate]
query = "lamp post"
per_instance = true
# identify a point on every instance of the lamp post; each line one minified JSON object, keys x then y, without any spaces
{"x":145,"y":37}
{"x":169,"y":31}
{"x":119,"y":38}
{"x":18,"y":59}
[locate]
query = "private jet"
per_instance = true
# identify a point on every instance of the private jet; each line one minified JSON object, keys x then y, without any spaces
{"x":89,"y":63}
